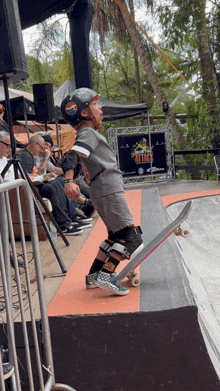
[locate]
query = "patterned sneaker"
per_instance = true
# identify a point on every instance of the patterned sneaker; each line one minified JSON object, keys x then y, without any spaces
{"x":108,"y":282}
{"x":8,"y":370}
{"x":90,"y":281}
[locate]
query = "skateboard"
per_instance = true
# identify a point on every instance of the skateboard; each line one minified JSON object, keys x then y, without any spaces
{"x":173,"y":227}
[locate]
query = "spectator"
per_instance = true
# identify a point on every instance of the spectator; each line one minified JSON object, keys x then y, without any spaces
{"x":43,"y":164}
{"x":5,"y":147}
{"x":46,"y":187}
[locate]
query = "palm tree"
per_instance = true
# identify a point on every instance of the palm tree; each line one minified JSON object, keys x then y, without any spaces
{"x":107,"y":16}
{"x":209,"y":82}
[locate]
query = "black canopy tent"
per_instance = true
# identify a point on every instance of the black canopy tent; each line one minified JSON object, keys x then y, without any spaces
{"x":23,"y":105}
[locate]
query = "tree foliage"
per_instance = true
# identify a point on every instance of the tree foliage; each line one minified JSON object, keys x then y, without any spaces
{"x":117,"y":76}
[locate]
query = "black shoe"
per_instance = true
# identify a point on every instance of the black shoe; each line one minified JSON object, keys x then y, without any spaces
{"x":87,"y":208}
{"x":81,"y":224}
{"x":82,"y":218}
{"x":8,"y":370}
{"x":72,"y":230}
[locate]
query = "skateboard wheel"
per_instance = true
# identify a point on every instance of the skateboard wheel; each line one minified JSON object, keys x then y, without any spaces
{"x":184,"y":233}
{"x":135,"y":281}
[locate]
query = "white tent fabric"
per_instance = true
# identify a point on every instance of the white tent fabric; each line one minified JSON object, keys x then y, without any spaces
{"x":15,"y":94}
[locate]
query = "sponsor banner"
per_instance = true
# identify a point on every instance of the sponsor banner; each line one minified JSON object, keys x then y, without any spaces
{"x":135,"y":156}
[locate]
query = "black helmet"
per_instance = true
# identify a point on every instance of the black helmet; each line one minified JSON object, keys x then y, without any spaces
{"x":75,"y":102}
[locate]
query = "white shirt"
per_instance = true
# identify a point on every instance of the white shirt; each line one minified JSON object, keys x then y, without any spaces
{"x":9,"y":175}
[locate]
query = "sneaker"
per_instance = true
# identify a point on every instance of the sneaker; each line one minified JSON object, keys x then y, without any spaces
{"x":87,"y":208}
{"x":72,"y":230}
{"x":90,"y":281}
{"x":81,"y":224}
{"x":82,"y":218}
{"x":8,"y":370}
{"x":108,"y":282}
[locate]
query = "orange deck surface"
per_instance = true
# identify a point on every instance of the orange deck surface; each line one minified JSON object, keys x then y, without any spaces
{"x":170,"y":199}
{"x":73,"y":298}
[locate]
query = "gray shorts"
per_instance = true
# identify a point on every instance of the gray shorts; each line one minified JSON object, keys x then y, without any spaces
{"x":114,"y":211}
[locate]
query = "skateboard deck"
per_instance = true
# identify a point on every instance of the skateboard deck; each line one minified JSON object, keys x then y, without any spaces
{"x":173,"y":227}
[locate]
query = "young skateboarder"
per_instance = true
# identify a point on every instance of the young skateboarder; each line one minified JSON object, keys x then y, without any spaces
{"x":82,"y":111}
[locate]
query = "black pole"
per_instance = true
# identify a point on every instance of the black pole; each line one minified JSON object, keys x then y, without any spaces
{"x":10,"y":123}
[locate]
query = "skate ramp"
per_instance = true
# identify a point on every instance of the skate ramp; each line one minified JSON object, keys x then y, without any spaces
{"x":201,"y":260}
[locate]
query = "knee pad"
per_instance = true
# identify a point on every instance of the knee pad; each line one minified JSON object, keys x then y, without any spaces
{"x":106,"y":247}
{"x":132,"y":245}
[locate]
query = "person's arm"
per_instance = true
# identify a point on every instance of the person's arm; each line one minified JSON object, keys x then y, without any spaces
{"x":27,"y":163}
{"x":69,"y":166}
{"x":42,"y":168}
{"x":56,"y":170}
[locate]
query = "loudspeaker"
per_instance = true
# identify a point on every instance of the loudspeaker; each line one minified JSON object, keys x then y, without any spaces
{"x":12,"y":56}
{"x":43,"y":102}
{"x":165,"y":107}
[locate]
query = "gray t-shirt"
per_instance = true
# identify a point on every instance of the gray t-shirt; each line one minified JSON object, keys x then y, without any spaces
{"x":100,"y":162}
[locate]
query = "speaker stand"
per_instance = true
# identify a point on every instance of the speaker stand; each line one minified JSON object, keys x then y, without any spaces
{"x":18,"y":169}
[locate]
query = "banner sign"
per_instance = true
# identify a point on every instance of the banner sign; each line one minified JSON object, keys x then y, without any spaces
{"x":135,"y":156}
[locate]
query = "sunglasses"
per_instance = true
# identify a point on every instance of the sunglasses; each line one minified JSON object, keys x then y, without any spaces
{"x":7,"y":145}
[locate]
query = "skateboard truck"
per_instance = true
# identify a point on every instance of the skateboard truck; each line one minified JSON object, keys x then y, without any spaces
{"x":182,"y":232}
{"x":133,"y":278}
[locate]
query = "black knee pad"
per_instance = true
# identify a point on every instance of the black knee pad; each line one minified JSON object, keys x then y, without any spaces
{"x":111,"y":236}
{"x":132,"y":242}
{"x":128,"y":233}
{"x":106,"y":247}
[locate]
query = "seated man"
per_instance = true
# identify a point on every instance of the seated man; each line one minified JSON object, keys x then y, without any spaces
{"x":50,"y":189}
{"x":43,"y":164}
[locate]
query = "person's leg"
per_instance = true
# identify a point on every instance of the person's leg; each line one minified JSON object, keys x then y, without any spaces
{"x":59,"y":212}
{"x":70,"y":206}
{"x":116,"y":214}
{"x":99,"y":261}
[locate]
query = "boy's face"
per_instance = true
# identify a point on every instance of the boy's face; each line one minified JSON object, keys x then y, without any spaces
{"x":96,"y":112}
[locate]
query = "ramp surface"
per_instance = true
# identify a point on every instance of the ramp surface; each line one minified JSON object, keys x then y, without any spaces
{"x":201,"y":259}
{"x":148,"y":340}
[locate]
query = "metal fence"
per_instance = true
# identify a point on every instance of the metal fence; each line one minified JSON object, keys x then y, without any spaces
{"x":18,"y":302}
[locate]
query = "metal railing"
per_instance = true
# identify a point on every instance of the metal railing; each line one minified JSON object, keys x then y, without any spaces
{"x":191,"y":168}
{"x":38,"y":357}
